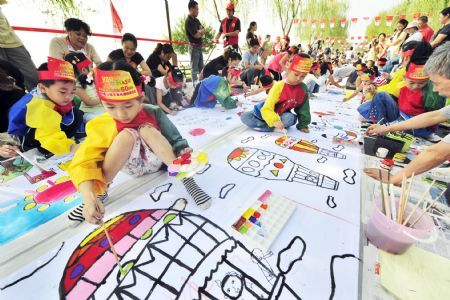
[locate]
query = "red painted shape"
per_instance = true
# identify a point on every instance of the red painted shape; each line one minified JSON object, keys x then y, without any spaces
{"x":55,"y":192}
{"x":278,"y":165}
{"x":197,"y":131}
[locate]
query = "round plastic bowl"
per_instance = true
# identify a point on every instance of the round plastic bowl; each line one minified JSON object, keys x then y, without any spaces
{"x":393,"y":237}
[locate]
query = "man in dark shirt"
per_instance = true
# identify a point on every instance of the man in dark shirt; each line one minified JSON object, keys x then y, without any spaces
{"x":194,"y":32}
{"x":230,"y":28}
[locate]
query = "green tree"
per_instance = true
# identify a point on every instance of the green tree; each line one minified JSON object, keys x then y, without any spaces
{"x":408,"y":8}
{"x":179,"y":34}
{"x":287,"y":11}
{"x":323,"y":9}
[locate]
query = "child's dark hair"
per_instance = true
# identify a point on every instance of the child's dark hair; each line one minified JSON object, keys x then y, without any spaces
{"x":124,"y":66}
{"x":129,"y":37}
{"x":253,"y":42}
{"x":292,"y":50}
{"x":404,"y":22}
{"x":48,"y":82}
{"x":177,"y":75}
{"x":73,"y":24}
{"x":324,"y":67}
{"x":166,"y":48}
{"x":192,"y":4}
{"x":234,"y":56}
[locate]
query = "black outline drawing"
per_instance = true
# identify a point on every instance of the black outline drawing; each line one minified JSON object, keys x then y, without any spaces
{"x":266,"y":136}
{"x":258,"y":257}
{"x":349,"y":176}
{"x":338,"y":148}
{"x":313,"y":141}
{"x":330,"y":199}
{"x":322,"y":160}
{"x":248,"y":139}
{"x":226,"y":189}
{"x":159,"y":191}
{"x":204,"y":170}
{"x":263,"y":164}
{"x":35,"y":270}
{"x":333,"y":281}
{"x":217,"y":252}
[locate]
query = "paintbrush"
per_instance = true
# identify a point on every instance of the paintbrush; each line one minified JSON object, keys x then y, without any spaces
{"x":399,"y":211}
{"x":111,"y":245}
{"x":383,"y":201}
{"x":113,"y":250}
{"x":425,"y":210}
{"x":418,"y":203}
{"x":37,"y":165}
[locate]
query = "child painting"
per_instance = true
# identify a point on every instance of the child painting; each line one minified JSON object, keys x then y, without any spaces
{"x":130,"y":136}
{"x":284,"y":96}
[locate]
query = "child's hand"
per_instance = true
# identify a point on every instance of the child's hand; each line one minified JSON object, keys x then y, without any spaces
{"x":8,"y":151}
{"x":172,"y":112}
{"x":93,"y":210}
{"x":304,"y":130}
{"x":279,"y":125}
{"x":185,"y":151}
{"x":346,"y":98}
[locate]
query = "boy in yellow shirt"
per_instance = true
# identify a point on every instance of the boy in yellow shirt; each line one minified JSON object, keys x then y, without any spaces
{"x":130,"y":136}
{"x":45,"y":118}
{"x":284,"y":96}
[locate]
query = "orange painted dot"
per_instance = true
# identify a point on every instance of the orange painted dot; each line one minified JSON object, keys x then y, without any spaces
{"x":278,"y":165}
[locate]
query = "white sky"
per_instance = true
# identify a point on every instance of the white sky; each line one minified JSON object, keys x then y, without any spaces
{"x":147,"y":18}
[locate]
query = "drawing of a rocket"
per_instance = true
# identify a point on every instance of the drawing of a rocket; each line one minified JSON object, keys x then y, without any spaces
{"x":272,"y":166}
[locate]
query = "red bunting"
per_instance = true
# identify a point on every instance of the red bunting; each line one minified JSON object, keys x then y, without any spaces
{"x":389,"y":20}
{"x":343,"y":22}
{"x":354,"y":20}
{"x":332,"y":22}
{"x":322,"y":23}
{"x":377,"y":20}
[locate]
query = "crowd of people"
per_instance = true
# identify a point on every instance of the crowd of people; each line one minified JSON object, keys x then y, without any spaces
{"x":98,"y":110}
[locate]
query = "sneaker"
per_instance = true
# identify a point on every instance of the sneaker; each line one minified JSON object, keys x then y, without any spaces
{"x":434,"y":138}
{"x":76,"y":215}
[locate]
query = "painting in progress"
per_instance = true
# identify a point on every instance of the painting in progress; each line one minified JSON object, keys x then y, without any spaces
{"x":170,"y":249}
{"x":154,"y":245}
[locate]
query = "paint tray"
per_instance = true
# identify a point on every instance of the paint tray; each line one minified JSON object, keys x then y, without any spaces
{"x":262,"y":222}
{"x":371,"y":144}
{"x":408,"y":139}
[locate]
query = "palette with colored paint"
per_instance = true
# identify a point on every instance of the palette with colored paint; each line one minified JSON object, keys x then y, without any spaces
{"x":188,"y":164}
{"x":262,"y":222}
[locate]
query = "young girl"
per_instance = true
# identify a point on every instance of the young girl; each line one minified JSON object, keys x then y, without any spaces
{"x":168,"y":91}
{"x":90,"y":105}
{"x":285,"y":95}
{"x":366,"y":87}
{"x":278,"y":64}
{"x":130,"y":136}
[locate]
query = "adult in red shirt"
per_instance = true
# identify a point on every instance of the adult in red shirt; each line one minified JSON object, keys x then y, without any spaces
{"x":229,"y":28}
{"x":424,"y":28}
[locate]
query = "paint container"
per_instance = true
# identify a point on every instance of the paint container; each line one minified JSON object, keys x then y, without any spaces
{"x":390,"y":236}
{"x":382,"y":152}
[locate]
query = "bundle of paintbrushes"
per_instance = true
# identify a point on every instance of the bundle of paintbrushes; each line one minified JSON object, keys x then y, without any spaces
{"x":396,"y":211}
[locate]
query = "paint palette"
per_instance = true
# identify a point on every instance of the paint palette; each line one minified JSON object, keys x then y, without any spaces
{"x":262,"y":222}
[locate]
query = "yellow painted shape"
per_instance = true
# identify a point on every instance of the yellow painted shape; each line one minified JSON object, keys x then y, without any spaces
{"x":100,"y":229}
{"x":29,"y":206}
{"x":202,"y":158}
{"x":43,"y":207}
{"x":28,"y":198}
{"x":41,"y":188}
{"x":275,"y":172}
{"x":65,"y":166}
{"x":69,"y":199}
{"x":62,"y":179}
